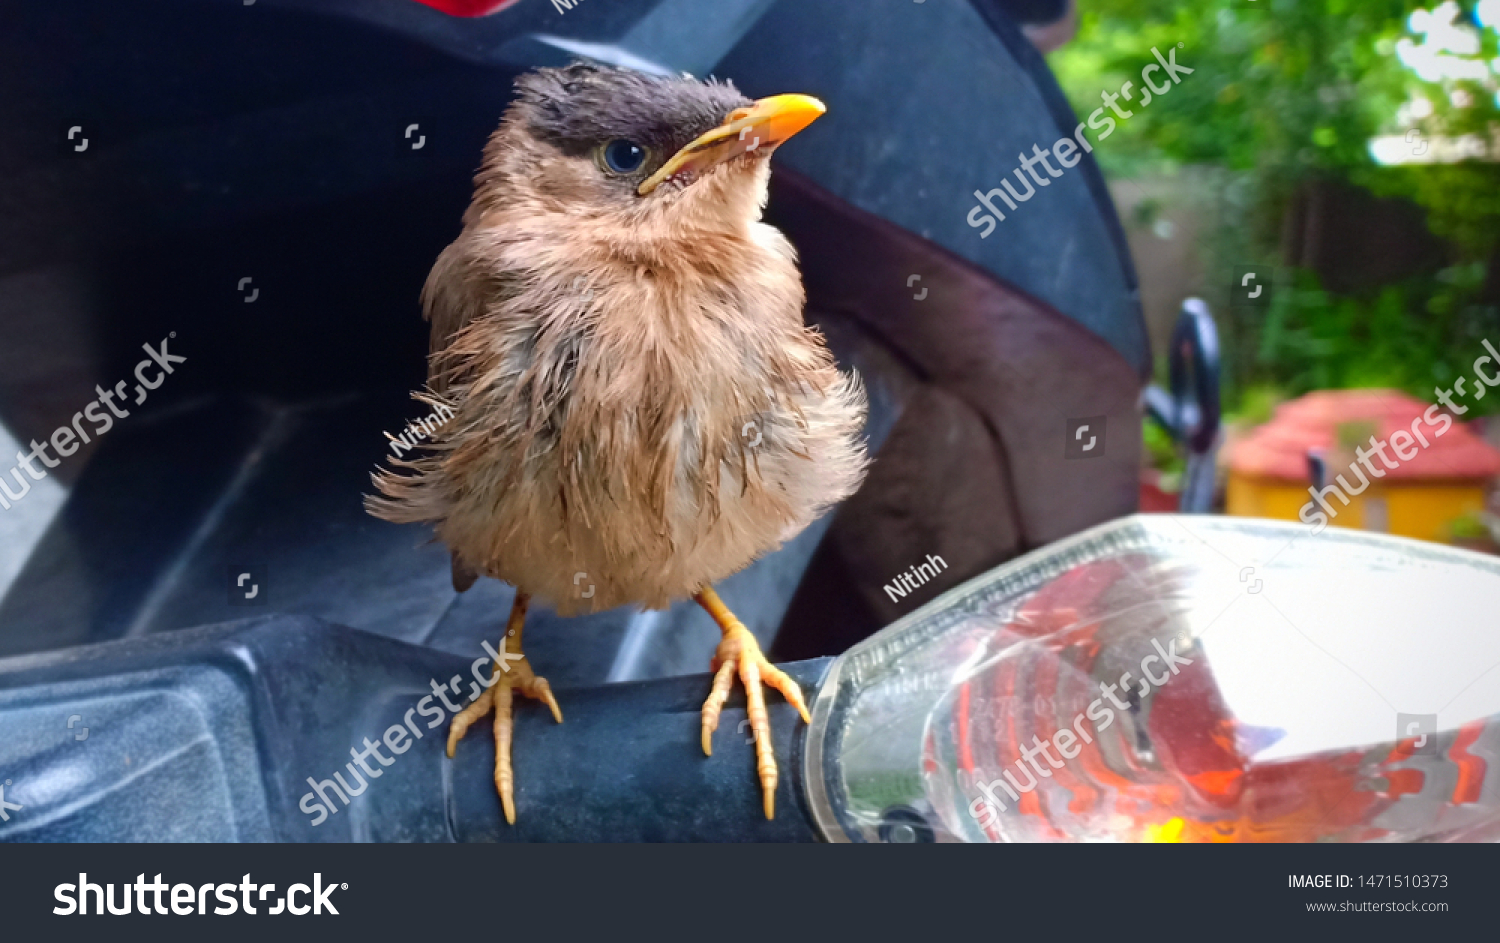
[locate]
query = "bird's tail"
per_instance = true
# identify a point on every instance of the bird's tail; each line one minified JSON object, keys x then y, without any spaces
{"x":463,"y":577}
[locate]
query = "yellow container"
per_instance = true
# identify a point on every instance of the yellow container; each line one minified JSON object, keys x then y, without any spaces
{"x":1418,"y":509}
{"x":1393,"y":465}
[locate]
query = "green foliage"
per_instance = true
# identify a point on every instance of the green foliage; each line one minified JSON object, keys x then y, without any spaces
{"x":1468,"y":527}
{"x":1280,"y":97}
{"x":1414,"y":336}
{"x":1162,"y":451}
{"x":1257,"y":403}
{"x":1293,"y":89}
{"x":1462,"y":200}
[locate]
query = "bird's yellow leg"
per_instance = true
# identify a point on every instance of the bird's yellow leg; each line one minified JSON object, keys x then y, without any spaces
{"x":740,"y":652}
{"x":514,"y":675}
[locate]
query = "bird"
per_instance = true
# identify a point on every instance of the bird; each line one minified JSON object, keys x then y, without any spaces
{"x":635,"y":397}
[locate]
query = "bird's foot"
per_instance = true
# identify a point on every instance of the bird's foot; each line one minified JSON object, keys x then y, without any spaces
{"x":499,"y":696}
{"x":739,"y":653}
{"x":515,"y":675}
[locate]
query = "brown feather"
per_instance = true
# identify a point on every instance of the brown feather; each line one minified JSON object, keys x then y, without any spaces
{"x":602,"y":431}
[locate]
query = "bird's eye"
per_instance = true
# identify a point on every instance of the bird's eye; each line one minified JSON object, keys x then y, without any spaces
{"x":623,"y":157}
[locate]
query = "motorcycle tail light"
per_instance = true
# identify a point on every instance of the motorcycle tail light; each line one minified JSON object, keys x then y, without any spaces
{"x":1177,"y":678}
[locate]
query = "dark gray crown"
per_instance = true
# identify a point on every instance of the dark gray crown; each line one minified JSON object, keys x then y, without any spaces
{"x":582,"y":105}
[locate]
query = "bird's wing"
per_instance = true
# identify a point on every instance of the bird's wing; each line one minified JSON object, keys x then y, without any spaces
{"x":457,"y":292}
{"x":452,"y":297}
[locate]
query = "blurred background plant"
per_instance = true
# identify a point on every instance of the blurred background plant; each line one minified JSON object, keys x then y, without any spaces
{"x":1350,"y":145}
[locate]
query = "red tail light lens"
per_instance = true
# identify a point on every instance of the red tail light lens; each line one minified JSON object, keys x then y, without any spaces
{"x":1178,"y":679}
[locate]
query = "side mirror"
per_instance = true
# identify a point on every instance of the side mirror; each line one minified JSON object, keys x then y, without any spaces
{"x":1190,"y":412}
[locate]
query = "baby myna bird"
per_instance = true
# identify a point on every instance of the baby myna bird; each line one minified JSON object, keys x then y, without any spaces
{"x":635,"y":396}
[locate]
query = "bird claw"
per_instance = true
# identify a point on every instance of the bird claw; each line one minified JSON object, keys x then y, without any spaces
{"x":499,"y":696}
{"x":739,"y":653}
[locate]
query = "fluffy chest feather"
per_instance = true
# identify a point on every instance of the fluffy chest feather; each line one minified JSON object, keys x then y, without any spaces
{"x":656,"y":424}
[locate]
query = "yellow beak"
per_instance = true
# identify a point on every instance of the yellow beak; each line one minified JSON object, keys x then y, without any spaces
{"x":761,"y":128}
